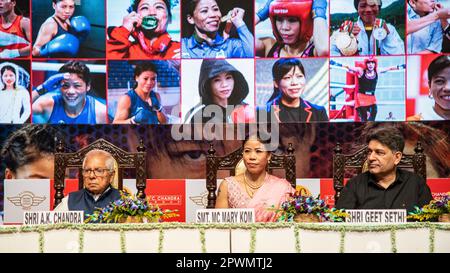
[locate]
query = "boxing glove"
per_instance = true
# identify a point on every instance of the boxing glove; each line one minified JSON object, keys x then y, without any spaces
{"x":80,"y":27}
{"x":332,"y":62}
{"x":156,"y":105}
{"x":263,"y":13}
{"x":65,"y":45}
{"x":50,"y":84}
{"x":319,"y":9}
{"x":243,"y":114}
{"x":142,"y":116}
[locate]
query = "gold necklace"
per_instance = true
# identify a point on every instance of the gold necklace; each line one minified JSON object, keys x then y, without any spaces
{"x":251,"y":186}
{"x":249,"y":192}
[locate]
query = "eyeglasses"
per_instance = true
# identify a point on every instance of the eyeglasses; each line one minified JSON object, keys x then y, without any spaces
{"x":97,"y":172}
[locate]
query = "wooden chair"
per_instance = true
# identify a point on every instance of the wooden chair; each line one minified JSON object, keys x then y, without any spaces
{"x":230,"y":162}
{"x":343,"y":164}
{"x":124,"y":160}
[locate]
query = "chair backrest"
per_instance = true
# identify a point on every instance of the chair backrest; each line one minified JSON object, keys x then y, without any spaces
{"x":124,"y":160}
{"x":229,"y":162}
{"x":357,"y":162}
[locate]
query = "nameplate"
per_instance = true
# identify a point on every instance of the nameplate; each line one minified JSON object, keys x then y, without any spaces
{"x":376,"y":216}
{"x":225,"y":216}
{"x":53,"y":217}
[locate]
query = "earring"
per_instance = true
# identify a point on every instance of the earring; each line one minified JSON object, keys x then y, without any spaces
{"x":430,"y":95}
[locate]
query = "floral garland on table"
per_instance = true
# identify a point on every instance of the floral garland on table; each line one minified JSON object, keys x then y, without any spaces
{"x":432,"y":211}
{"x":301,"y":204}
{"x":252,"y":227}
{"x":129,"y":207}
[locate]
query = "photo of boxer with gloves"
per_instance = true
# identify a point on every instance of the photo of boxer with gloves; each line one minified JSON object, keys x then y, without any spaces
{"x":370,"y":34}
{"x":68,"y":101}
{"x":368,"y":75}
{"x":222,"y":89}
{"x":300,"y":28}
{"x":141,"y":105}
{"x":15,"y":31}
{"x":146,"y":25}
{"x":61,"y":34}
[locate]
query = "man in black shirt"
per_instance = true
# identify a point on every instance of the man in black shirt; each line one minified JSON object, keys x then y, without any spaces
{"x":384,"y":186}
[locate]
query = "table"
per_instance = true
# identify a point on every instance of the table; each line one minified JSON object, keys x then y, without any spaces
{"x":226,"y":238}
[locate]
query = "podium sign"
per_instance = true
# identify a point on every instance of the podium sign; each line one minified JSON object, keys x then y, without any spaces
{"x":376,"y":216}
{"x":225,"y":216}
{"x":31,"y":218}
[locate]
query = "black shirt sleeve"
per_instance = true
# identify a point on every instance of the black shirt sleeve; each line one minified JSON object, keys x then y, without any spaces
{"x":347,"y":200}
{"x":424,"y":193}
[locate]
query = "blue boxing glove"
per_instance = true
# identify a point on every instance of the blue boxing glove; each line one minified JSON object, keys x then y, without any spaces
{"x":142,"y":116}
{"x":332,"y":62}
{"x":65,"y":45}
{"x":156,"y":105}
{"x":263,"y":13}
{"x":50,"y":84}
{"x":80,"y":27}
{"x":319,"y":9}
{"x":401,"y":66}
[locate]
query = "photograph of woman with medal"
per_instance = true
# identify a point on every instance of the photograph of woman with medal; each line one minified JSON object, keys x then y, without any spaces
{"x":297,"y":28}
{"x":143,"y":29}
{"x":362,"y":90}
{"x":367,"y":31}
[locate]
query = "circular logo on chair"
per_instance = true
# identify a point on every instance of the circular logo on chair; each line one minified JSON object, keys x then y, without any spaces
{"x":26,"y":200}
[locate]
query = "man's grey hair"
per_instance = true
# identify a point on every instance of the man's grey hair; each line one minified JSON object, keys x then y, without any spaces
{"x":109,"y":159}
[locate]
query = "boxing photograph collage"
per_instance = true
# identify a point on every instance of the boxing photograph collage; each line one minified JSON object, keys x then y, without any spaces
{"x":183,"y":61}
{"x":319,"y":71}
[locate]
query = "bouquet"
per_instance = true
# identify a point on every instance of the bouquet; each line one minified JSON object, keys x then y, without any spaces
{"x":298,"y":204}
{"x":431,"y":211}
{"x":130,"y":209}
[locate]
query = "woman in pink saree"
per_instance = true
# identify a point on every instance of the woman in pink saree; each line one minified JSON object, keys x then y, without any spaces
{"x":254,"y":188}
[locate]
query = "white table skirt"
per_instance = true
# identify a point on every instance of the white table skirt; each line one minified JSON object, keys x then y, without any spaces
{"x":226,"y":238}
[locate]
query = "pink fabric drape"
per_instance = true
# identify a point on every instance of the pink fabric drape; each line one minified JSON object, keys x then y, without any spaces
{"x":273,"y":192}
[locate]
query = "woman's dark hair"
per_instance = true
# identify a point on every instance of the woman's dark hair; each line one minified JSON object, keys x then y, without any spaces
{"x":257,"y":137}
{"x":436,"y":66}
{"x":135,"y":5}
{"x":13,"y":70}
{"x":27,"y":145}
{"x":78,"y":68}
{"x":142,"y":67}
{"x":281,"y":68}
{"x":264,"y":135}
{"x":356,"y":4}
{"x":191,"y":5}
